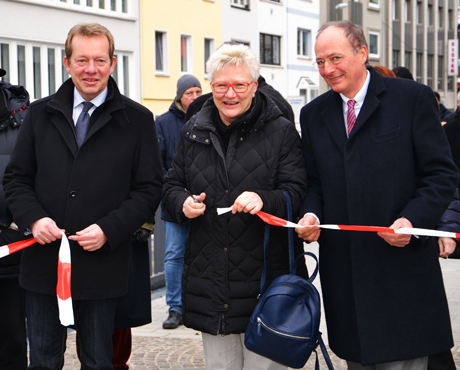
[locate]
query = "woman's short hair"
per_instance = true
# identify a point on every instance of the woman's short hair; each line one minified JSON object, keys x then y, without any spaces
{"x":89,"y":30}
{"x":233,"y":54}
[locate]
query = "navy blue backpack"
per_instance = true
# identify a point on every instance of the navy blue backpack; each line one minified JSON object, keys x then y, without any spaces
{"x":284,"y":326}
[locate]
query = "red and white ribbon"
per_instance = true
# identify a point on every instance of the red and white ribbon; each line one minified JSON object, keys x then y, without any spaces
{"x":64,"y":296}
{"x":63,"y":279}
{"x":6,"y":250}
{"x":276,"y":221}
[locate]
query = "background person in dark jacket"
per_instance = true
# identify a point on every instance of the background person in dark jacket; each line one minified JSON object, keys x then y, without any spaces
{"x":14,"y":101}
{"x":443,"y":111}
{"x":456,"y":114}
{"x":383,"y":294}
{"x":238,"y":151}
{"x":169,"y":126}
{"x":99,"y":187}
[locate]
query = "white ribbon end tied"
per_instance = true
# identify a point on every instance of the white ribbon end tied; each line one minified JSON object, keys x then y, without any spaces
{"x":63,"y":286}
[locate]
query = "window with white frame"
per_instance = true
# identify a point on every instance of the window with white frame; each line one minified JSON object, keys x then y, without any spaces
{"x":240,"y":3}
{"x":374,"y":4}
{"x":111,"y":8}
{"x":303,"y":42}
{"x":40,"y":67}
{"x":374,"y":44}
{"x":270,"y":50}
{"x":161,"y":53}
{"x":186,"y":58}
{"x":208,"y":50}
{"x":121,"y":73}
{"x":5,"y":60}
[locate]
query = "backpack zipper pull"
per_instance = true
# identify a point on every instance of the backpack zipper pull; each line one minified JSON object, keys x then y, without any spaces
{"x":259,"y":331}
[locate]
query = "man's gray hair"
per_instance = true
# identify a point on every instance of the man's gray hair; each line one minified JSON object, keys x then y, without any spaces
{"x":353,"y":32}
{"x":233,"y":54}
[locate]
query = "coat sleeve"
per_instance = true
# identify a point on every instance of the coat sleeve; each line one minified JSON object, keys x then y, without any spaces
{"x":450,"y":220}
{"x":18,"y":180}
{"x":290,"y":177}
{"x":175,"y":188}
{"x":437,"y":174}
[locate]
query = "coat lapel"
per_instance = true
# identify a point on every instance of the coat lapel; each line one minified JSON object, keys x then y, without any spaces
{"x":371,"y":102}
{"x":61,"y":105}
{"x":332,"y":118}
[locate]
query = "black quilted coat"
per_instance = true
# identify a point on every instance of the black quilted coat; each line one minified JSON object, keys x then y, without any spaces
{"x":224,"y":254}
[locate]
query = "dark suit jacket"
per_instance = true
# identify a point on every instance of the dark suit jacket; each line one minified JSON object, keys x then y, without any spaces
{"x":114,"y":180}
{"x":382,"y":303}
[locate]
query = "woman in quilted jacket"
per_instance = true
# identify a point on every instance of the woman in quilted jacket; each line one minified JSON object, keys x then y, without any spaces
{"x":238,"y":151}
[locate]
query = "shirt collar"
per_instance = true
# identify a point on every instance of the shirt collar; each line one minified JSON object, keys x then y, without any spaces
{"x":361,"y":95}
{"x":97,"y":101}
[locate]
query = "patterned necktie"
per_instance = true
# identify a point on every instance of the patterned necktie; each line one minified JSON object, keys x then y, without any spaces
{"x":351,"y":115}
{"x":82,"y":122}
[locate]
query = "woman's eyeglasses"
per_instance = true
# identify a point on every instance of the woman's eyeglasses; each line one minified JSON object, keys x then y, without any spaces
{"x":238,"y":87}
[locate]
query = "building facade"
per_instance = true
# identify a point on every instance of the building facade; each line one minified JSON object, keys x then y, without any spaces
{"x":33,"y":33}
{"x":177,"y":38}
{"x":409,"y":33}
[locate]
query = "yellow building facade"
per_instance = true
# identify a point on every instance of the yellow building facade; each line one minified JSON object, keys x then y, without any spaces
{"x":177,"y":38}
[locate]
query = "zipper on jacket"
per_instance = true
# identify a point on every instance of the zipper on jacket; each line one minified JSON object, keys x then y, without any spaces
{"x":221,"y":326}
{"x":261,"y":323}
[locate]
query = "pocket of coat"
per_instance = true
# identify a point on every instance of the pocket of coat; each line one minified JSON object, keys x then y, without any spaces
{"x":387,"y":136}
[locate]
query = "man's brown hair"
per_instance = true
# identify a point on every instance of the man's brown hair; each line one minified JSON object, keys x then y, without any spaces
{"x":89,"y":30}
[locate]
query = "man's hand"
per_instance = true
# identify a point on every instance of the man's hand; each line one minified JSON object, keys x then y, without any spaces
{"x":310,"y":233}
{"x":247,"y":201}
{"x":45,"y":230}
{"x":397,"y":240}
{"x":194,"y":209}
{"x":446,"y":246}
{"x":90,"y":239}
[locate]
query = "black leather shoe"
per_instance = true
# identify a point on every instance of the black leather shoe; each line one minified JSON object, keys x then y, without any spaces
{"x":173,"y":321}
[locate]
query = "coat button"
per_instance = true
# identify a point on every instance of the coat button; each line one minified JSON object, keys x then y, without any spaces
{"x":225,"y":305}
{"x":73,"y":194}
{"x":226,"y":191}
{"x":207,"y":140}
{"x":241,"y":139}
{"x":225,"y":249}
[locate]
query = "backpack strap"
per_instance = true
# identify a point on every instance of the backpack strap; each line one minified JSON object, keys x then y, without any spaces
{"x":325,"y":354}
{"x":312,"y":276}
{"x":292,"y":261}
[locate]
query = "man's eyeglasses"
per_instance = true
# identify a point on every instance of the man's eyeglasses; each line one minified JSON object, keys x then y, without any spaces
{"x":333,"y":60}
{"x":238,"y":87}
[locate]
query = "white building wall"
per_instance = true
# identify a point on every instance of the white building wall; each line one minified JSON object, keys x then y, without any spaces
{"x":302,"y":77}
{"x":44,"y":24}
{"x":240,"y":24}
{"x":273,"y":21}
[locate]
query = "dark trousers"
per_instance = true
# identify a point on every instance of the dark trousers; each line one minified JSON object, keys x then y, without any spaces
{"x":13,"y":342}
{"x":122,"y":342}
{"x":47,"y":337}
{"x":13,"y":338}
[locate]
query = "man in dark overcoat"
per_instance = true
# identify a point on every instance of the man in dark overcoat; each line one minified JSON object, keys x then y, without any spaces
{"x":98,"y":184}
{"x":383,"y":293}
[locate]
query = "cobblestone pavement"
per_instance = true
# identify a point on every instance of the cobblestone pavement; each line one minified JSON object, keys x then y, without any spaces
{"x":155,"y":348}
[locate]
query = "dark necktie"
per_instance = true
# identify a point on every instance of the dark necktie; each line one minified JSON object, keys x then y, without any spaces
{"x":82,"y":122}
{"x":351,"y":115}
